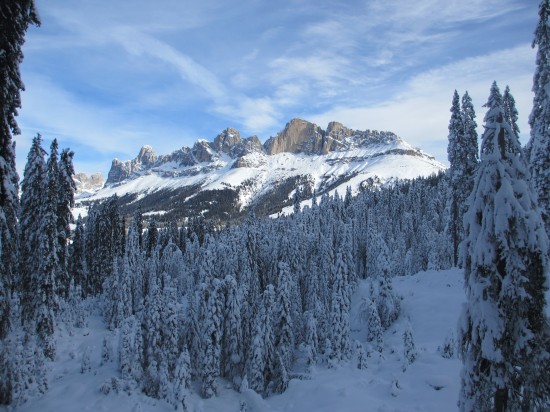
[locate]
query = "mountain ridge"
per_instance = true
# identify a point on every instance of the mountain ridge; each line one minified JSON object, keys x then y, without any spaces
{"x":298,"y":136}
{"x":229,"y":176}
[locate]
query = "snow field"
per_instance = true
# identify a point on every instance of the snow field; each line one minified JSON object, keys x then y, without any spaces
{"x":431,"y":303}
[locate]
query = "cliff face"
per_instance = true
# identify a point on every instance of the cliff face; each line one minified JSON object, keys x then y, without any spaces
{"x":297,"y":136}
{"x":119,"y":171}
{"x":85,"y":183}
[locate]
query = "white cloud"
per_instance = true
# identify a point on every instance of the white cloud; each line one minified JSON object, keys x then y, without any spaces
{"x":143,"y":45}
{"x":420,"y":111}
{"x":256,"y":65}
{"x":57,"y":113}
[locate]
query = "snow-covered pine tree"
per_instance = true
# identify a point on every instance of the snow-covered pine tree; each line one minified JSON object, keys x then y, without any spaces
{"x":471,"y":145}
{"x":126,"y":349}
{"x":387,"y":301}
{"x":284,"y":335}
{"x":152,"y":237}
{"x":15,"y":18}
{"x":33,"y":189}
{"x":509,"y":110}
{"x":463,"y":158}
{"x":47,"y":304}
{"x":538,"y":147}
{"x":232,"y":346}
{"x":503,"y":324}
{"x":77,"y":260}
{"x":165,"y":387}
{"x":106,"y":351}
{"x":212,"y":338}
{"x":261,"y":363}
{"x":65,"y":201}
{"x":375,"y":331}
{"x":170,"y":324}
{"x":360,"y":356}
{"x":339,"y":312}
{"x":104,"y":239}
{"x":454,"y":153}
{"x":311,"y":340}
{"x":135,"y":261}
{"x":409,"y":348}
{"x":152,"y":330}
{"x":182,"y":380}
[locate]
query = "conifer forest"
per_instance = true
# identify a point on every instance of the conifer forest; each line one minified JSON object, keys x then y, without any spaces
{"x":194,"y":309}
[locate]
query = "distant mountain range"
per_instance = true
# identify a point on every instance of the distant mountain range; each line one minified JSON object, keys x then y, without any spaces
{"x":230,"y":176}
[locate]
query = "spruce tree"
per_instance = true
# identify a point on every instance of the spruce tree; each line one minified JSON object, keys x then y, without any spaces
{"x":182,"y":380}
{"x":77,"y":261}
{"x":386,"y":300}
{"x":15,"y":18}
{"x":339,"y":312}
{"x":47,"y":298}
{"x":409,"y":348}
{"x":261,"y":363}
{"x":456,"y":137}
{"x":509,"y":110}
{"x":538,"y":147}
{"x":375,"y":331}
{"x":503,"y":324}
{"x":232,"y":360}
{"x":462,"y":154}
{"x":65,"y":201}
{"x":33,"y":194}
{"x":212,"y":337}
{"x":284,"y":326}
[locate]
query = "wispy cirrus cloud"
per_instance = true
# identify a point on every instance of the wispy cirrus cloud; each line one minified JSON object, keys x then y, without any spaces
{"x":132,"y":72}
{"x":420,"y":112}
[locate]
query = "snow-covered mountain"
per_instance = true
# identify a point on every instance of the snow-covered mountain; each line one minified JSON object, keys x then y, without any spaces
{"x":226,"y":178}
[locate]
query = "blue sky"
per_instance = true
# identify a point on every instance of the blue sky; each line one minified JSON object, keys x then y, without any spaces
{"x":106,"y":77}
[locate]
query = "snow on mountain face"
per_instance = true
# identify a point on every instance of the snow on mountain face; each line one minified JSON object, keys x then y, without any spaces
{"x":86,"y":185}
{"x":225,"y":178}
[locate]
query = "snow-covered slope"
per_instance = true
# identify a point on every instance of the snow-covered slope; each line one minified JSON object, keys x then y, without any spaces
{"x":231,"y":175}
{"x":431,"y":304}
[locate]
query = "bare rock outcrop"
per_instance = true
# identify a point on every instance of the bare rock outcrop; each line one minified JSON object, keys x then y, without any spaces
{"x":85,"y":183}
{"x":297,"y":136}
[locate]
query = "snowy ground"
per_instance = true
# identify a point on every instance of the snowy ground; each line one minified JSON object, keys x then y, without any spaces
{"x":431,"y":303}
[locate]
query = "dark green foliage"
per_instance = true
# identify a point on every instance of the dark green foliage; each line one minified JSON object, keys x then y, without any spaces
{"x":538,"y":147}
{"x":104,"y":240}
{"x":15,"y":18}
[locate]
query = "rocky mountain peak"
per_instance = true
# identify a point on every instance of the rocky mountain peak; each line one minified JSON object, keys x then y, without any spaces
{"x":91,"y":183}
{"x":119,"y":171}
{"x":297,"y":136}
{"x":227,"y":140}
{"x":146,"y":156}
{"x":202,"y":151}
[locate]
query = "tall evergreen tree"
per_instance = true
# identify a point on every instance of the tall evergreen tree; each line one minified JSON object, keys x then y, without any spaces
{"x":462,"y":155}
{"x":503,"y":324}
{"x":509,"y":110}
{"x":284,"y":327}
{"x":456,"y":132}
{"x":212,"y":338}
{"x":339,"y":312}
{"x":15,"y":18}
{"x":261,"y":363}
{"x":538,"y":148}
{"x":65,"y":201}
{"x":232,"y":361}
{"x":47,"y":304}
{"x":77,"y":261}
{"x":33,"y":190}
